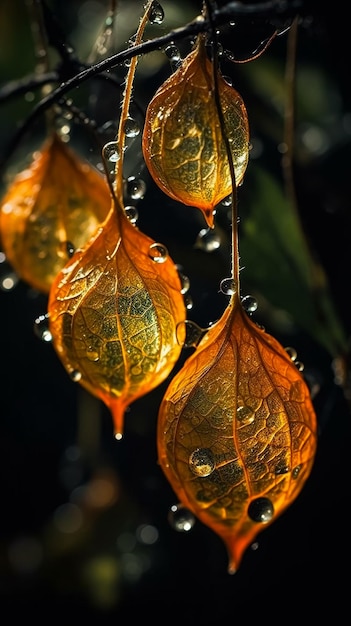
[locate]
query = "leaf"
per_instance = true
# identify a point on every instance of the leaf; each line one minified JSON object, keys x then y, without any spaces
{"x":182,"y":140}
{"x":236,"y":432}
{"x":116,"y":315}
{"x":279,"y":264}
{"x":52,"y":207}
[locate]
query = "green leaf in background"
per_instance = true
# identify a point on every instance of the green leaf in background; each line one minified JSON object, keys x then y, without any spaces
{"x":278,"y":264}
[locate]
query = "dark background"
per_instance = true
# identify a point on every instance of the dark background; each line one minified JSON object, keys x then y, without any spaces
{"x":58,"y":457}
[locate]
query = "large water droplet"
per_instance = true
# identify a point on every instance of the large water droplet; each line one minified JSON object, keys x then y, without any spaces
{"x":228,"y":286}
{"x":158,"y":252}
{"x":131,"y":213}
{"x":193,"y":335}
{"x":172,"y":52}
{"x":135,"y":188}
{"x":180,"y":518}
{"x":249,"y":304}
{"x":201,"y":462}
{"x":261,"y":510}
{"x":291,"y":352}
{"x":131,"y":127}
{"x":184,"y":280}
{"x":208,"y":240}
{"x":156,"y":14}
{"x":245,"y":415}
{"x":110,"y":152}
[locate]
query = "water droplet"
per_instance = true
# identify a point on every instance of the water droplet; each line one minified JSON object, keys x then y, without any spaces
{"x":291,"y":352}
{"x":110,"y":152}
{"x":193,"y":335}
{"x":188,"y":301}
{"x":201,"y":462}
{"x":131,"y":127}
{"x":156,"y":14}
{"x":228,"y":286}
{"x":41,"y":328}
{"x":180,"y":518}
{"x":261,"y":510}
{"x":172,"y":52}
{"x":131,"y":213}
{"x":92,"y":354}
{"x":75,"y":375}
{"x":70,"y":249}
{"x":249,"y":304}
{"x":135,"y":188}
{"x":227,"y":201}
{"x":208,"y":240}
{"x":245,"y":415}
{"x":300,"y":366}
{"x":158,"y":252}
{"x":184,"y":280}
{"x":296,"y":471}
{"x":281,"y":469}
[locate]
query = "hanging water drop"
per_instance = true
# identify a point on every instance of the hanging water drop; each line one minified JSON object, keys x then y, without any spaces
{"x":158,"y":253}
{"x":180,"y":518}
{"x":135,"y":188}
{"x":261,"y":510}
{"x":249,"y":304}
{"x":184,"y":280}
{"x":228,"y":286}
{"x":291,"y":352}
{"x":227,"y":201}
{"x":193,"y":334}
{"x":208,"y":240}
{"x":110,"y":152}
{"x":156,"y":14}
{"x":131,"y":213}
{"x":131,"y":127}
{"x":172,"y":52}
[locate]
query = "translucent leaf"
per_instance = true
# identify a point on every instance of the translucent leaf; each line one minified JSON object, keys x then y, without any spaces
{"x":182,"y":140}
{"x":116,"y":315}
{"x":237,"y":431}
{"x":52,"y":207}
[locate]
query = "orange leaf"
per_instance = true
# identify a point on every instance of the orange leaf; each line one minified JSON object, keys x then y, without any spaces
{"x":114,"y":315}
{"x":182,"y":140}
{"x":237,"y":431}
{"x":54,"y":205}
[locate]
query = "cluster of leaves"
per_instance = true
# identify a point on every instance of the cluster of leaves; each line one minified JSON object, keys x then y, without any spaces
{"x":116,"y":307}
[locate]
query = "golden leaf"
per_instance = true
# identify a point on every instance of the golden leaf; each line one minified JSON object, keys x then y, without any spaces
{"x":182,"y":140}
{"x":114,"y":315}
{"x":237,"y":431}
{"x":53,"y":206}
